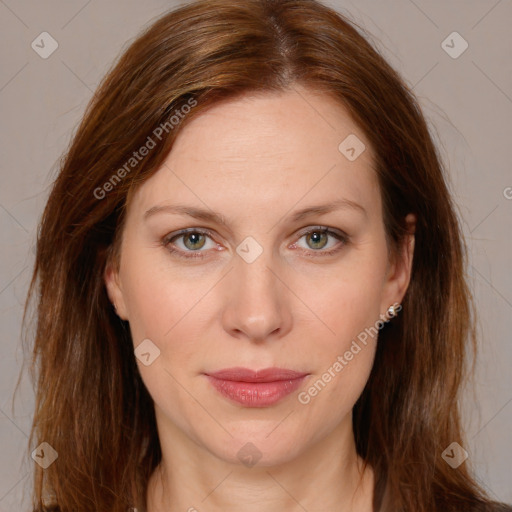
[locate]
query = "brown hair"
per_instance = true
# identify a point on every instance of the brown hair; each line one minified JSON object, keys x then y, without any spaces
{"x":91,"y":404}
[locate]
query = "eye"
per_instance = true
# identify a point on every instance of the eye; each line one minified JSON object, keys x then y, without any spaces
{"x":318,"y":240}
{"x":189,"y":241}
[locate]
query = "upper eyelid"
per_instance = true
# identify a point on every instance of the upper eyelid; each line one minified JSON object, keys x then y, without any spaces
{"x":327,"y":229}
{"x":173,"y":236}
{"x":341,"y":235}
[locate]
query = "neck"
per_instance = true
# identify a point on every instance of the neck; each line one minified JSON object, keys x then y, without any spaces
{"x":327,"y":476}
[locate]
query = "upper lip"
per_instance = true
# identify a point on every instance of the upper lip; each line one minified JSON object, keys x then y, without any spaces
{"x":239,"y":374}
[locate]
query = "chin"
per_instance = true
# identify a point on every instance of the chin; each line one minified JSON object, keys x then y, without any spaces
{"x":252,"y":447}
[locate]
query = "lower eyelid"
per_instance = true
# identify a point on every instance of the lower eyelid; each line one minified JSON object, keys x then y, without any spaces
{"x":183,"y":235}
{"x":325,"y":252}
{"x":168,"y":242}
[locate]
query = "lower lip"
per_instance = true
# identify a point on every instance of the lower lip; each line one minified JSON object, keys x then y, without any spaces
{"x":255,"y":394}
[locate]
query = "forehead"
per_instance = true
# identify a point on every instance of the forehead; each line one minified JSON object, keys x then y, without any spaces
{"x":267,"y":125}
{"x":261,"y":151}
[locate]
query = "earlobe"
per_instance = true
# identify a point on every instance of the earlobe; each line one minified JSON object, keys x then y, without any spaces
{"x":401,"y":268}
{"x":114,"y":290}
{"x":407,"y":256}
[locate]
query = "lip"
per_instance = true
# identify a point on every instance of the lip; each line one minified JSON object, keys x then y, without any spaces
{"x":256,"y":388}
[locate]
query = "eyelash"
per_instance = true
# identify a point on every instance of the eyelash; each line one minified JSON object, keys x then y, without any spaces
{"x":169,"y":239}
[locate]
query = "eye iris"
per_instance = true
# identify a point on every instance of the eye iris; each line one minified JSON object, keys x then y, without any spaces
{"x":316,"y":238}
{"x":194,"y":238}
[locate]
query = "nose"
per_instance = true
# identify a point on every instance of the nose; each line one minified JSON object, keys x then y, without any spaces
{"x":257,"y":306}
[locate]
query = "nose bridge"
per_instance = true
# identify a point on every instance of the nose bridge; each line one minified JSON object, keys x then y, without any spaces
{"x":256,"y":278}
{"x":257,"y":306}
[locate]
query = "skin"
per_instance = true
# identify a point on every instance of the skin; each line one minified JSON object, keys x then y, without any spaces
{"x":271,"y":155}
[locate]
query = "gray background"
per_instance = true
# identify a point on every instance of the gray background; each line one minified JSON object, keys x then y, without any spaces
{"x":468,"y":103}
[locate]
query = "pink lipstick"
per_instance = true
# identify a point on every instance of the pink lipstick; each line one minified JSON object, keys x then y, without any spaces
{"x":260,"y":388}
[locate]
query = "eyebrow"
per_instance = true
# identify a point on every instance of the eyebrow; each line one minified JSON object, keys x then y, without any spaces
{"x":209,"y":215}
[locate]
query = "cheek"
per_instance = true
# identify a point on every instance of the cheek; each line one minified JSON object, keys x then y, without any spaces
{"x":163,"y":307}
{"x":349,"y":307}
{"x":173,"y":311}
{"x":329,"y":397}
{"x":344,"y":357}
{"x":161,"y":300}
{"x":346,"y":298}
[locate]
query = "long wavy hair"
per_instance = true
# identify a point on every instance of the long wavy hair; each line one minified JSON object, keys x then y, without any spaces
{"x":91,"y":404}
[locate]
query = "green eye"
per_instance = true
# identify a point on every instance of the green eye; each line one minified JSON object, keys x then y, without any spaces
{"x":194,"y":240}
{"x":321,"y":241}
{"x":193,"y":243}
{"x":189,"y":244}
{"x":318,"y":239}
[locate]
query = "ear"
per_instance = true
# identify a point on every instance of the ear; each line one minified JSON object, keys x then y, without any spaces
{"x":399,"y":270}
{"x":114,"y":290}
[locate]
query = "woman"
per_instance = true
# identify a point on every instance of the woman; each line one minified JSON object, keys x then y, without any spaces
{"x":250,"y":280}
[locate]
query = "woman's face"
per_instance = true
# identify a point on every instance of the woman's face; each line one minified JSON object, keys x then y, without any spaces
{"x":257,"y":283}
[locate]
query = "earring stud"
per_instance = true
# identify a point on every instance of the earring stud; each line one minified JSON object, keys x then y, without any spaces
{"x":393,"y":310}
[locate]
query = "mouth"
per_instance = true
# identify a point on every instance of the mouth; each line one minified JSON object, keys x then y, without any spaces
{"x":251,"y":388}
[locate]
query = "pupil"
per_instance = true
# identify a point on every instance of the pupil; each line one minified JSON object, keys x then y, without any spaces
{"x":316,"y":238}
{"x":192,"y":239}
